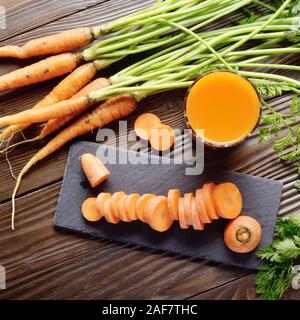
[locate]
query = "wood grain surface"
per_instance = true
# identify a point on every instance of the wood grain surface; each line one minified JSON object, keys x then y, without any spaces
{"x":44,"y":264}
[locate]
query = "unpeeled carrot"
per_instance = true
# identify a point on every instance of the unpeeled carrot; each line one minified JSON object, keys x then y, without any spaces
{"x":43,"y":70}
{"x":66,"y":89}
{"x":57,"y":43}
{"x":102,"y":115}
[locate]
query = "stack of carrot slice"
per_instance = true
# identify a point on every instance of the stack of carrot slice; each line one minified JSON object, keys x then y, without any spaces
{"x":159,"y":212}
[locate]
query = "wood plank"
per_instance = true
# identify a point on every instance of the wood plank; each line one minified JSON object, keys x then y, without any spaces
{"x":28,"y":15}
{"x":44,"y":264}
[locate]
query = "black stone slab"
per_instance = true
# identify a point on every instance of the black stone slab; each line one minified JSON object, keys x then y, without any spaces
{"x":261,"y":200}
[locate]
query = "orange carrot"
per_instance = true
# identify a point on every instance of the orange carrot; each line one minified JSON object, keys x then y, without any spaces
{"x":196,"y":222}
{"x":108,"y":214}
{"x":203,"y":215}
{"x":100,"y":200}
{"x":114,"y":203}
{"x":144,"y":124}
{"x":173,"y":197}
{"x":208,"y":190}
{"x":227,"y":200}
{"x":162,"y":137}
{"x":89,"y":210}
{"x":181,"y":214}
{"x":141,"y":205}
{"x":130,"y":206}
{"x":94,"y":169}
{"x":102,"y":115}
{"x":66,"y":89}
{"x":187,"y":199}
{"x":122,"y":211}
{"x":57,"y":43}
{"x":43,"y":70}
{"x":242,"y":234}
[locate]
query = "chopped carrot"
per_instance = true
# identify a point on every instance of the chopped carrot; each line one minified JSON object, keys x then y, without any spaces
{"x":173,"y":197}
{"x":94,"y":169}
{"x":114,"y":203}
{"x":181,"y":214}
{"x":57,"y":43}
{"x":158,"y":215}
{"x":141,"y":205}
{"x":108,"y":214}
{"x":243,"y":234}
{"x":89,"y":210}
{"x":43,"y":70}
{"x":162,"y":137}
{"x":102,"y":197}
{"x":227,"y":200}
{"x":94,"y":119}
{"x":122,"y":211}
{"x":130,"y":206}
{"x":144,"y":124}
{"x":196,"y":222}
{"x":203,"y":215}
{"x":208,"y":190}
{"x":187,"y":208}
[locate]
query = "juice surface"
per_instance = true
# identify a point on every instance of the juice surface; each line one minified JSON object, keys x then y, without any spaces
{"x":223,"y":104}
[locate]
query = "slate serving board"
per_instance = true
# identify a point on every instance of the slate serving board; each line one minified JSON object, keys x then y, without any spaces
{"x":261,"y":200}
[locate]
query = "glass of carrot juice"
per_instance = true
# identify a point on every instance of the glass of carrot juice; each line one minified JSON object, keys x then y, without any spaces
{"x":222,"y":108}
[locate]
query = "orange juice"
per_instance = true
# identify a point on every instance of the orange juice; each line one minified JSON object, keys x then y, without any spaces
{"x":225,"y":106}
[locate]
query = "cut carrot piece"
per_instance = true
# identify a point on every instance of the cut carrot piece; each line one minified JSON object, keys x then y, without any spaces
{"x":94,"y":169}
{"x":102,"y":197}
{"x":122,"y":209}
{"x":144,"y":124}
{"x":89,"y":210}
{"x":162,"y":137}
{"x":181,"y":214}
{"x":141,"y":205}
{"x":114,"y":203}
{"x":130,"y":206}
{"x":187,"y":208}
{"x":173,"y":197}
{"x":208,"y":190}
{"x":108,"y":214}
{"x":227,"y":200}
{"x":204,"y":217}
{"x":197,"y":224}
{"x":158,"y":214}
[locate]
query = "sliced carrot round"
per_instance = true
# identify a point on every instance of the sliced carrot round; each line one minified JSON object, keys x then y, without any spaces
{"x":173,"y":197}
{"x":141,"y":204}
{"x":130,"y":206}
{"x":114,"y":203}
{"x":102,"y":197}
{"x":108,"y":214}
{"x":122,"y":209}
{"x":208,"y":190}
{"x":181,"y":214}
{"x":158,"y":214}
{"x":89,"y":210}
{"x":187,"y":208}
{"x":227,"y":200}
{"x":203,"y":215}
{"x":197,"y":224}
{"x":144,"y":124}
{"x":162,"y":137}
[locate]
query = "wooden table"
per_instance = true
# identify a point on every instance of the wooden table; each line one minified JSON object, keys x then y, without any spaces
{"x":44,"y":264}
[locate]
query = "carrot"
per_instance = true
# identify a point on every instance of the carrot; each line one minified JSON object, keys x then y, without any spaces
{"x":181,"y":214}
{"x":57,"y":43}
{"x":173,"y":197}
{"x":100,"y":116}
{"x":162,"y":137}
{"x":187,"y":199}
{"x":114,"y":203}
{"x":208,"y":190}
{"x":158,"y":215}
{"x":227,"y":200}
{"x":89,"y":210}
{"x":141,"y":205}
{"x":203,"y":215}
{"x":94,"y":169}
{"x":66,"y":89}
{"x":122,"y":211}
{"x":108,"y":214}
{"x":100,"y":200}
{"x":130,"y":206}
{"x":144,"y":124}
{"x":243,"y":234}
{"x":43,"y":70}
{"x":196,"y":222}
